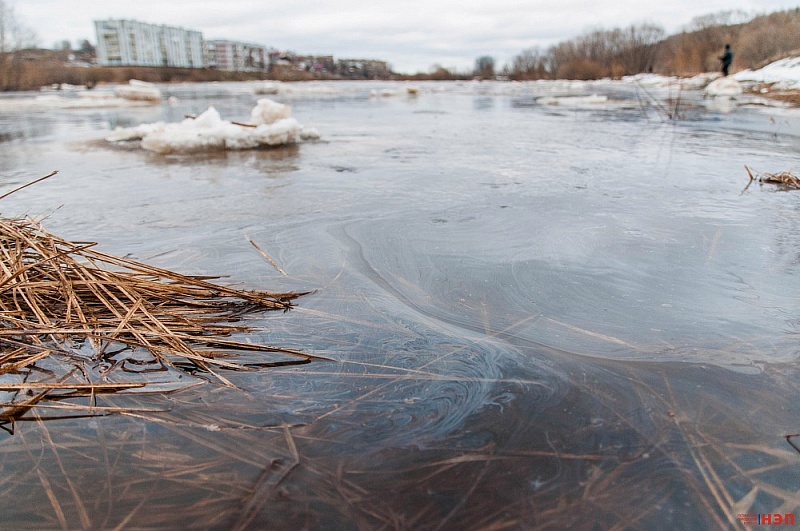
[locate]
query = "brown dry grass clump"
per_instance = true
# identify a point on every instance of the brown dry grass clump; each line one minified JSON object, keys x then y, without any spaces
{"x":784,"y":179}
{"x":66,"y":301}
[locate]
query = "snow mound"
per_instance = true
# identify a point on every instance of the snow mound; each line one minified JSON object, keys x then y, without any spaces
{"x":724,"y":87}
{"x":268,"y":112}
{"x":209,"y":132}
{"x":138,"y":91}
{"x":700,"y":81}
{"x":785,"y":72}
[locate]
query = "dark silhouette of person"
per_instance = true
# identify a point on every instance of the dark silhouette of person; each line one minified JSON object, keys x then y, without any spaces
{"x":727,"y":59}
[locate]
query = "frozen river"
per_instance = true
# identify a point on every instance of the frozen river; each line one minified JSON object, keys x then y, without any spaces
{"x":540,"y":315}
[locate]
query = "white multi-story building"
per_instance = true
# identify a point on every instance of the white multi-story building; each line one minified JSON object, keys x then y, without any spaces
{"x":236,"y":56}
{"x":133,"y":43}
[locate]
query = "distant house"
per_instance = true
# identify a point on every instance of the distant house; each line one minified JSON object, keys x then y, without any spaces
{"x":317,"y":63}
{"x":363,"y":69}
{"x":133,"y":43}
{"x":237,"y":56}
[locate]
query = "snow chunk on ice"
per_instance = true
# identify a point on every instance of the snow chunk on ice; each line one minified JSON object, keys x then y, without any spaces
{"x":273,"y":126}
{"x":138,"y":91}
{"x":724,"y":87}
{"x":700,"y":81}
{"x":649,"y":80}
{"x":267,"y":111}
{"x":267,"y":88}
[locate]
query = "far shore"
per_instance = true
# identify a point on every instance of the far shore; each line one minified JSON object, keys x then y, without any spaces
{"x":33,"y":76}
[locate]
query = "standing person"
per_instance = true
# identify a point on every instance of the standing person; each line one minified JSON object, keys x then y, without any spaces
{"x":727,"y":59}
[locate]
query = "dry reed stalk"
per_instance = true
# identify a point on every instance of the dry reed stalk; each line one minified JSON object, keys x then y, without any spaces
{"x":58,"y":296}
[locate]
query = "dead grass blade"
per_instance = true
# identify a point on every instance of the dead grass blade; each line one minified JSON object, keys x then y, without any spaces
{"x":272,"y":262}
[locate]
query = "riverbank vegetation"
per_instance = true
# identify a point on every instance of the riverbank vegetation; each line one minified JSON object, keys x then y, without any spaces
{"x":646,"y":48}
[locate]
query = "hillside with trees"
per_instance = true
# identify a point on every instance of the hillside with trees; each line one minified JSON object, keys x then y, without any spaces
{"x":645,"y":48}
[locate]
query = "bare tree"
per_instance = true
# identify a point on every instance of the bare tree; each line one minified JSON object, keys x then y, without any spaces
{"x":484,"y":67}
{"x":4,"y":19}
{"x":640,"y":47}
{"x":13,"y":34}
{"x":600,"y":52}
{"x":529,"y":64}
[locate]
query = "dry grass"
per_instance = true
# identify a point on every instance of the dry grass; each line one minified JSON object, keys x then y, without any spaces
{"x":784,"y":180}
{"x":67,"y":309}
{"x":790,"y":97}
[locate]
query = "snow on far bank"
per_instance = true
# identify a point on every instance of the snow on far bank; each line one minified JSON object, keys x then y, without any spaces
{"x":272,"y":125}
{"x":785,"y":73}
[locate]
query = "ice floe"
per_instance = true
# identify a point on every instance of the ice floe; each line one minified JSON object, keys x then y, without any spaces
{"x":267,"y":88}
{"x":137,"y":90}
{"x":271,"y":125}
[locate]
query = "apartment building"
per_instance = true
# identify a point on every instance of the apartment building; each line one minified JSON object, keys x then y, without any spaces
{"x":133,"y":43}
{"x":237,"y":56}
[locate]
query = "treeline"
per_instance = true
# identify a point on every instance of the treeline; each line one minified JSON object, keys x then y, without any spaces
{"x":32,"y":69}
{"x":646,"y":48}
{"x":597,"y":54}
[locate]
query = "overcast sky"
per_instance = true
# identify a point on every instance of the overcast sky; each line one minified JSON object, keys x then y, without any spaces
{"x":412,"y":35}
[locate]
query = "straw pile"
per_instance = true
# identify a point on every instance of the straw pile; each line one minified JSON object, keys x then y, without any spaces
{"x":66,"y":301}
